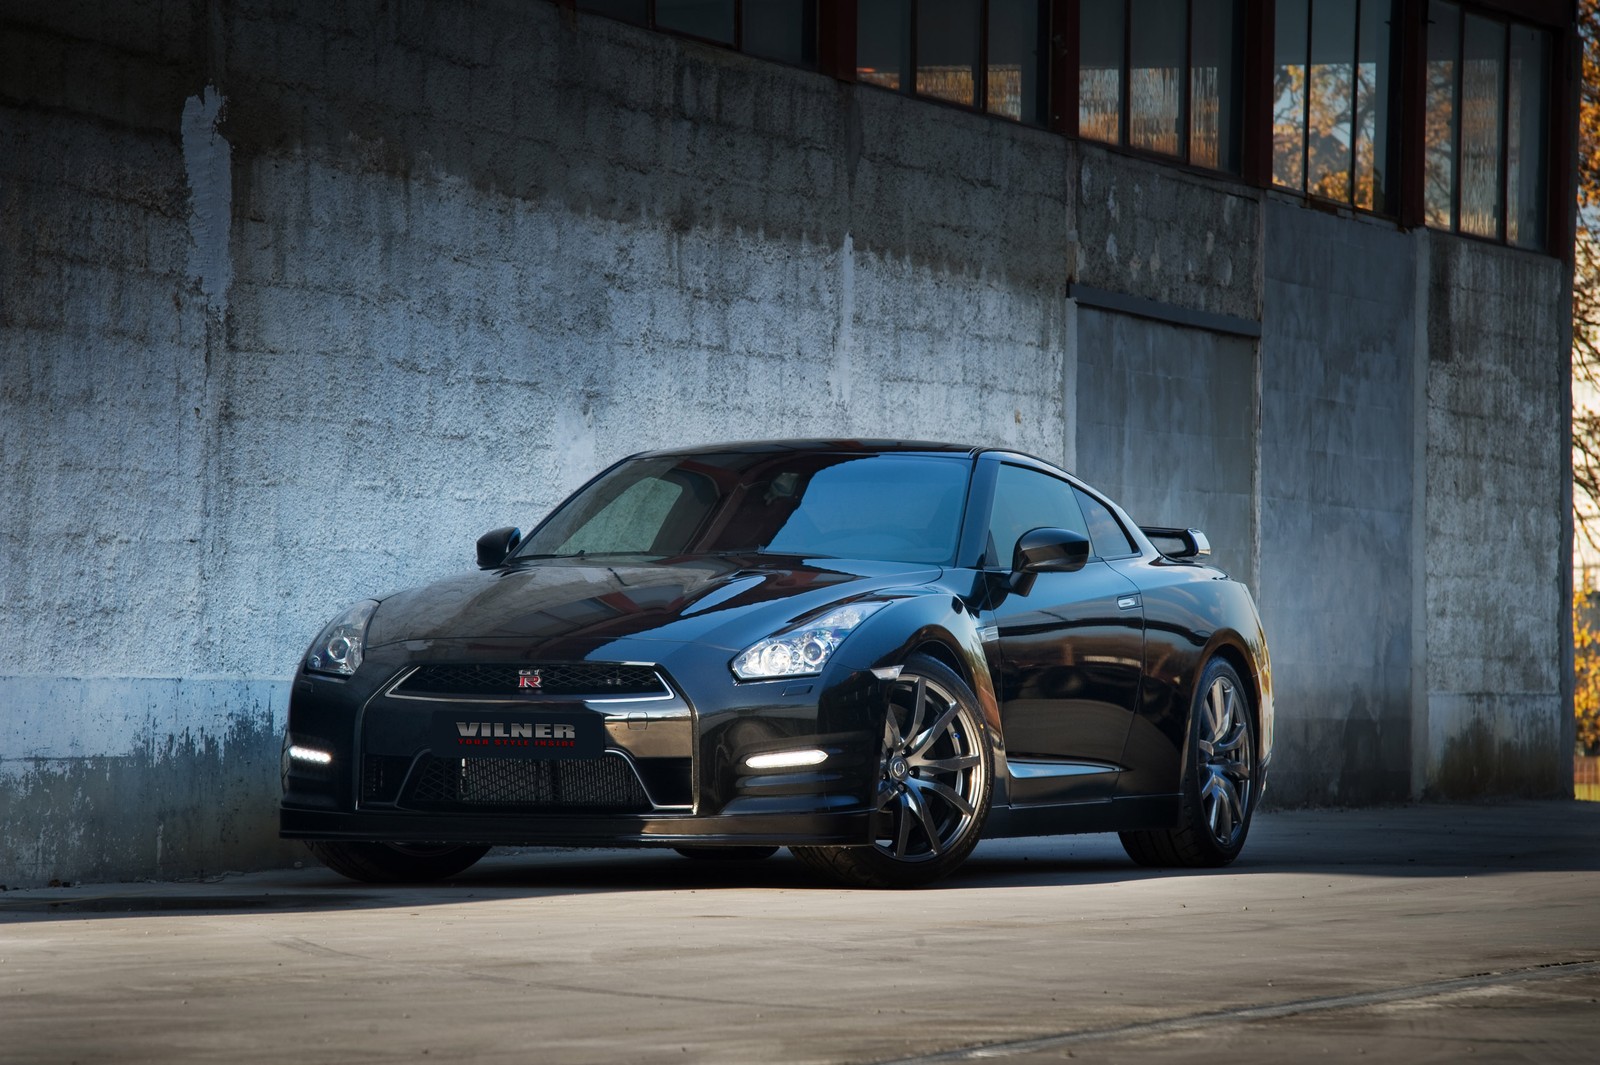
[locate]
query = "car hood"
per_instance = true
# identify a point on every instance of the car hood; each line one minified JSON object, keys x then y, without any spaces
{"x":721,"y":601}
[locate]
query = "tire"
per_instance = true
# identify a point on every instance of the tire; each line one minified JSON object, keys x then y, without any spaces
{"x":727,"y":854}
{"x":395,"y":863}
{"x":935,"y":781}
{"x":1218,"y":790}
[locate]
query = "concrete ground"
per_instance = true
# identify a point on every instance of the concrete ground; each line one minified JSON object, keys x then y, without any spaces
{"x":1418,"y":934}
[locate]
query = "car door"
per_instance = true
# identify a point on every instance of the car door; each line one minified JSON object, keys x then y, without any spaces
{"x":1067,"y":654}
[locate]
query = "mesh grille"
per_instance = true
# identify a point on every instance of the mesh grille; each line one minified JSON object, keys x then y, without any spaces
{"x":381,"y":777}
{"x":562,"y":678}
{"x":593,"y":783}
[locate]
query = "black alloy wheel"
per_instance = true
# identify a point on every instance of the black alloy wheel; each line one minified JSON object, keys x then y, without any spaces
{"x":935,"y":781}
{"x":1219,"y":781}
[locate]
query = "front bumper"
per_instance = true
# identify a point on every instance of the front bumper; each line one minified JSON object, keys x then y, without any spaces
{"x":670,"y":770}
{"x":577,"y":830}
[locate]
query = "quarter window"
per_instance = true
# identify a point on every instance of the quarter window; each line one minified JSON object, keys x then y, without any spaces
{"x":1106,"y":534}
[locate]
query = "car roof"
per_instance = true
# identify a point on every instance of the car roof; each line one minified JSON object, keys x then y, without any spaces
{"x":757,"y":447}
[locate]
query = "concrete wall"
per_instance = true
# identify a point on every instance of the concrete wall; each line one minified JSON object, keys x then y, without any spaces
{"x":297,"y":299}
{"x":1339,"y":337}
{"x":1496,"y":719}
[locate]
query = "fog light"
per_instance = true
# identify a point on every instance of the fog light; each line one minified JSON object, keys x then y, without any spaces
{"x":786,"y":759}
{"x":310,"y":754}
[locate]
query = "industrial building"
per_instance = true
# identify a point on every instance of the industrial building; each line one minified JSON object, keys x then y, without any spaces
{"x":299,"y":297}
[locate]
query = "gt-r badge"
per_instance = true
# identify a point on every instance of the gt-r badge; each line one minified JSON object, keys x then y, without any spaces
{"x":528,"y":678}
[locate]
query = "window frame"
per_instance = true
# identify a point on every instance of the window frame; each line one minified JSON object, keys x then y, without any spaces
{"x":817,"y":11}
{"x":1051,"y":64}
{"x":1507,"y":21}
{"x":1241,"y":112}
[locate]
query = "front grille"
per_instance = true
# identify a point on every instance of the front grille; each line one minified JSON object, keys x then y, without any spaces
{"x":381,"y":777}
{"x":580,"y":783}
{"x":599,"y":679}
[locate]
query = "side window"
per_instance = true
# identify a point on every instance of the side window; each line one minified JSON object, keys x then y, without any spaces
{"x":1106,"y":533}
{"x":1027,"y":499}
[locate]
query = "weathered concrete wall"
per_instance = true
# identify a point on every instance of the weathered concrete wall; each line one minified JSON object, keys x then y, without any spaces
{"x":306,"y":298}
{"x":1496,"y":462}
{"x":298,"y":298}
{"x":1337,"y":457}
{"x":1167,"y":427}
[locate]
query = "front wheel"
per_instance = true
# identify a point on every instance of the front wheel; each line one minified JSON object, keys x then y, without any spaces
{"x":1219,"y":780}
{"x":395,"y":863}
{"x":935,"y":778}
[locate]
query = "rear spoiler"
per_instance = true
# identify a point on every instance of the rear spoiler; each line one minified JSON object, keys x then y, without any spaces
{"x":1188,"y":543}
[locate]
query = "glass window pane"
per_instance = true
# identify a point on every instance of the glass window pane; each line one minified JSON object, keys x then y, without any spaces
{"x":1027,"y":499}
{"x":1374,"y":89}
{"x":1529,"y":85}
{"x":1289,"y":93}
{"x":1106,"y":534}
{"x":1016,"y":40}
{"x":1214,"y":81}
{"x":711,"y":19}
{"x":1483,"y":58}
{"x":883,"y":42}
{"x":1330,"y":128}
{"x":947,"y":49}
{"x":1444,"y":48}
{"x":1100,"y":71}
{"x":785,"y":30}
{"x":1157,"y":30}
{"x":628,"y":10}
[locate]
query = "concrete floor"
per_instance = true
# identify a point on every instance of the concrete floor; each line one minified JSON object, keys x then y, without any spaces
{"x":1442,"y":933}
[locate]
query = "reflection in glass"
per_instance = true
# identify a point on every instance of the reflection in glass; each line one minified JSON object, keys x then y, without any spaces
{"x":1016,"y":33}
{"x":947,"y":50}
{"x":1331,"y":110}
{"x":785,"y":30}
{"x":1482,"y":102}
{"x":1525,"y":166}
{"x":627,"y":10}
{"x":1156,"y":33}
{"x":1444,"y":44}
{"x":883,"y":42}
{"x":1373,"y":87}
{"x":1214,"y":86}
{"x":1289,"y":93}
{"x":1100,"y":72}
{"x":711,"y":19}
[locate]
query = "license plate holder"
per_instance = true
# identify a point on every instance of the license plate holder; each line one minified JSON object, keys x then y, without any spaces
{"x":517,"y":735}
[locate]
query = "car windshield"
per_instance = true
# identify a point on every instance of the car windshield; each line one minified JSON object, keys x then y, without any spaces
{"x":888,"y":507}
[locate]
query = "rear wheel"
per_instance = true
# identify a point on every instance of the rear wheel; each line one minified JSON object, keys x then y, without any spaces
{"x":935,"y":776}
{"x":727,"y":854}
{"x":395,"y":863}
{"x":1219,"y":780}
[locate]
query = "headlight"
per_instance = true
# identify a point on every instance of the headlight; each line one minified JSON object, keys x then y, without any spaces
{"x":803,"y":650}
{"x":337,"y":649}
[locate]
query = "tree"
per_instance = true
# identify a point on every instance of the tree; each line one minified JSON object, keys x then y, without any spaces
{"x":1586,"y":289}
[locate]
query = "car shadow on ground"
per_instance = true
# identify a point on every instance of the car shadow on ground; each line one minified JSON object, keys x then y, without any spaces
{"x":1404,"y":842}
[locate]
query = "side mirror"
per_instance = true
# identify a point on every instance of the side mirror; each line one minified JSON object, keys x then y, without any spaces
{"x":1046,"y":551}
{"x":493,"y":547}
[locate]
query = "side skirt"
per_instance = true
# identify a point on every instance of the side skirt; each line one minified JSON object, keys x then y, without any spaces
{"x":1101,"y":815}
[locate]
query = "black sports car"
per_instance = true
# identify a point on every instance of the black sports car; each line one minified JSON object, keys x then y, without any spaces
{"x":874,"y":653}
